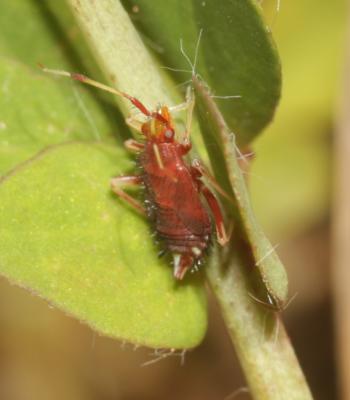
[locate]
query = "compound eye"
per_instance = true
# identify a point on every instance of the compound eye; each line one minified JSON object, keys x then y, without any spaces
{"x":169,"y":134}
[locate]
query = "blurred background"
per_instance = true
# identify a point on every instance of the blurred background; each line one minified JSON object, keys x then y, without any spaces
{"x":45,"y":354}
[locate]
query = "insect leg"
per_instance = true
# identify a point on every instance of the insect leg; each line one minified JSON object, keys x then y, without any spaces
{"x":182,"y":262}
{"x":131,"y":180}
{"x":190,"y":101}
{"x":185,"y":104}
{"x":134,"y":123}
{"x":201,"y":170}
{"x":218,"y":218}
{"x":245,"y":157}
{"x":178,"y":107}
{"x":212,"y":201}
{"x":133,"y":145}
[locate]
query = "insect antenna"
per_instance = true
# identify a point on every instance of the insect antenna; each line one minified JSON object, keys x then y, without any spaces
{"x":183,"y":52}
{"x":197,"y":50}
{"x":193,"y":66}
{"x":176,"y":69}
{"x":237,"y":96}
{"x":84,"y":79}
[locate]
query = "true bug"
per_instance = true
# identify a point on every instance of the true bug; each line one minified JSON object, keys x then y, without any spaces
{"x":173,"y":188}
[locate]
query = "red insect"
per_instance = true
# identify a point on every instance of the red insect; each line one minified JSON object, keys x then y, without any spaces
{"x":173,"y":188}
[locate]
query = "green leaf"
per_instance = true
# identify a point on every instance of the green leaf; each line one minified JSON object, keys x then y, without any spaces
{"x":37,"y":111}
{"x":236,"y":55}
{"x":50,"y":25}
{"x":65,"y":236}
{"x":221,"y":146}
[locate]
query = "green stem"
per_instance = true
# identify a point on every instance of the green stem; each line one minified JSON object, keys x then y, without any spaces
{"x":259,"y":337}
{"x":120,"y":52}
{"x":249,"y":267}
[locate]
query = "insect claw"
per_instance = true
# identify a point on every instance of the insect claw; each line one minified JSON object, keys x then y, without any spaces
{"x":179,"y":271}
{"x":181,"y":264}
{"x":222,"y":235}
{"x":223,"y":241}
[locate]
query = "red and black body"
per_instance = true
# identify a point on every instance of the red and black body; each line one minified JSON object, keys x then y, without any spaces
{"x":173,"y":190}
{"x":173,"y":202}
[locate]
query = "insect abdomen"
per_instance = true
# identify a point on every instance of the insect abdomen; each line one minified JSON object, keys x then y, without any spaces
{"x":179,"y":238}
{"x":173,"y":202}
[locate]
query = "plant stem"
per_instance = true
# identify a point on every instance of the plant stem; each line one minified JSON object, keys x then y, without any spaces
{"x":258,"y":335}
{"x":263,"y":347}
{"x":120,"y":52}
